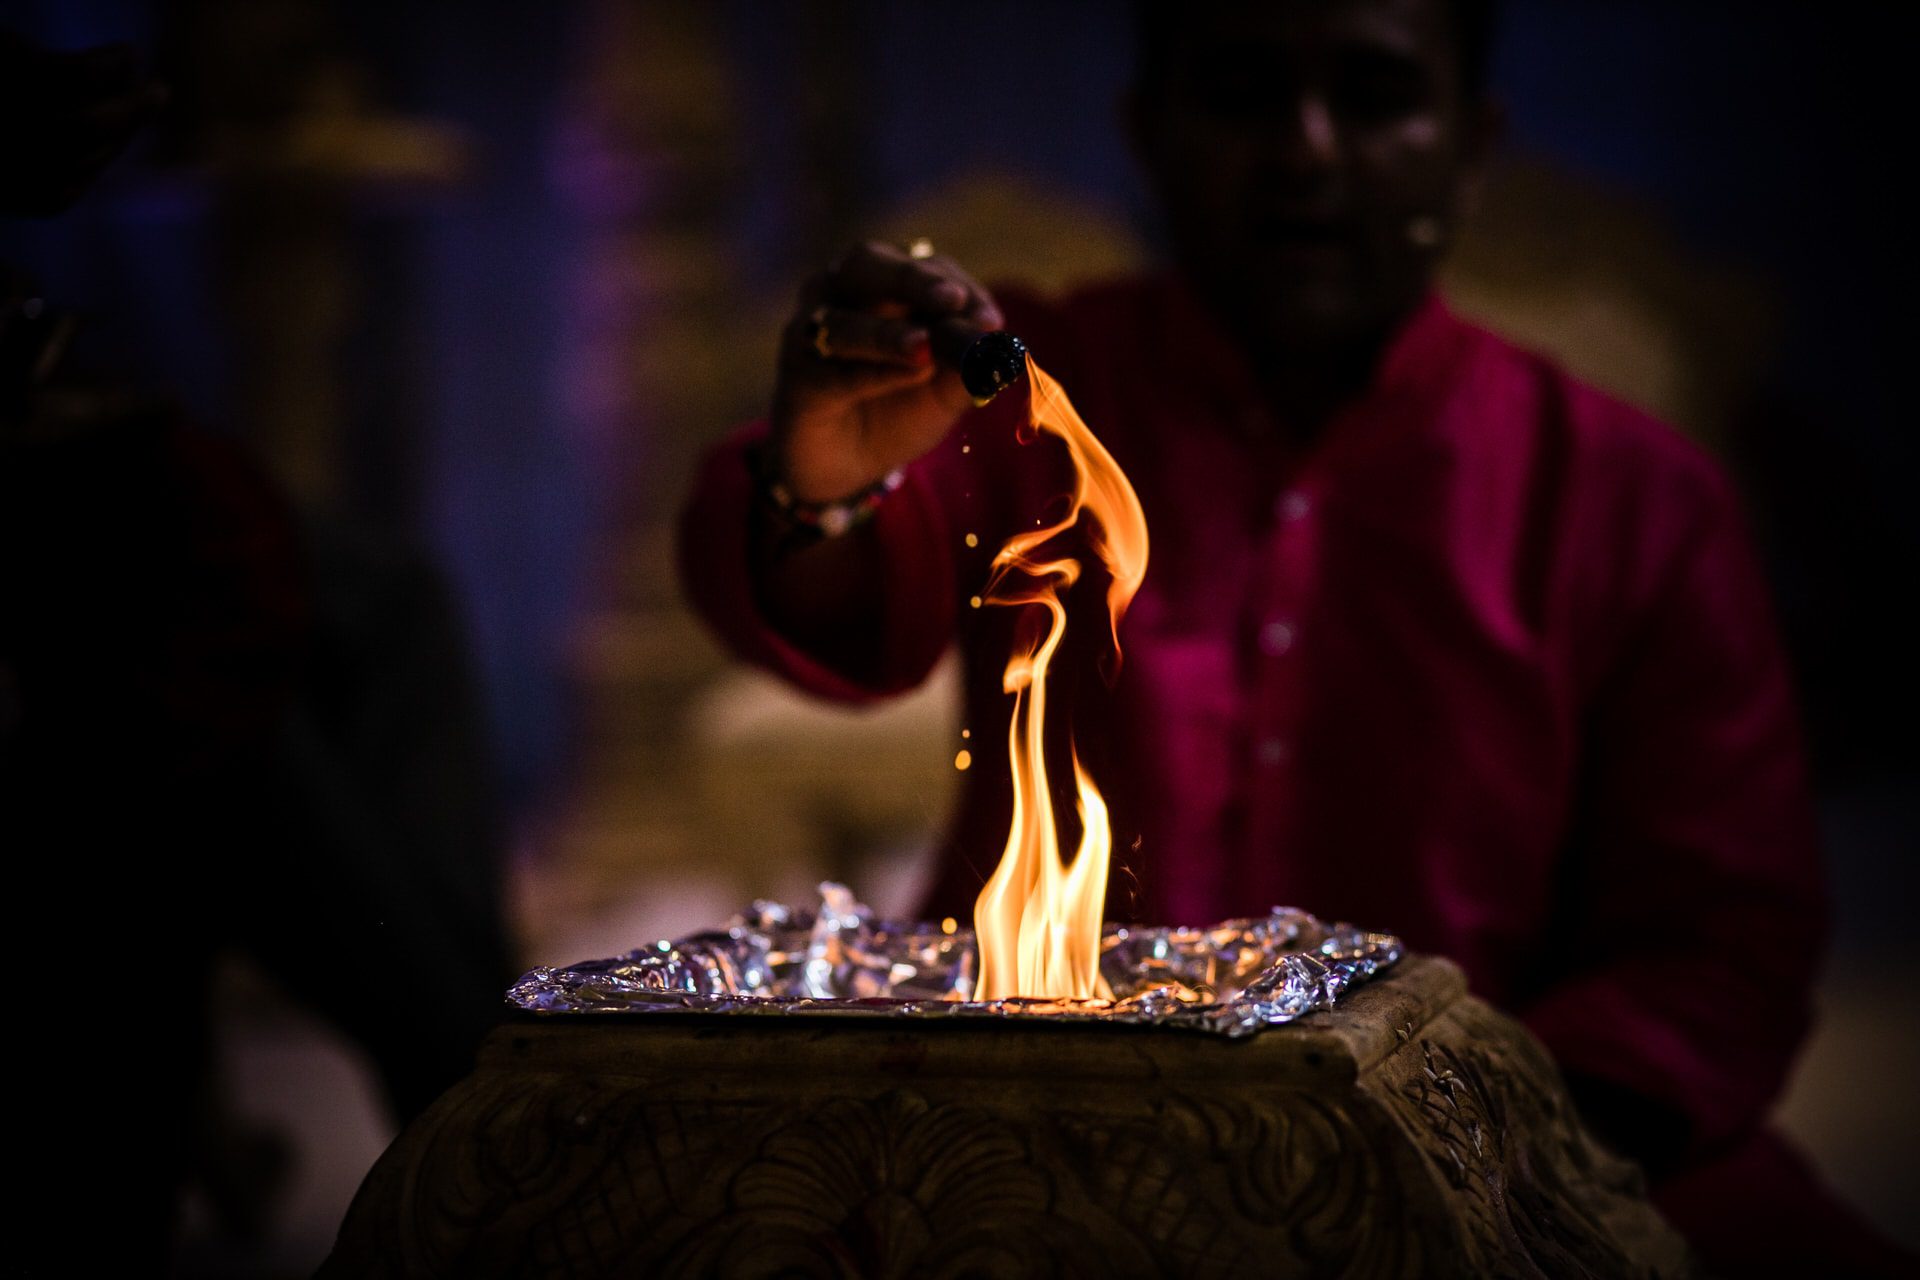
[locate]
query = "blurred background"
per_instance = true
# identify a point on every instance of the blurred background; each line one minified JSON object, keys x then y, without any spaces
{"x":476,"y":281}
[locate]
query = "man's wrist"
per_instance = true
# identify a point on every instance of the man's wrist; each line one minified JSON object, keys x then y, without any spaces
{"x":805,"y":520}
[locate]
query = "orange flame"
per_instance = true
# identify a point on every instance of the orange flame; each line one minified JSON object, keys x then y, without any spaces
{"x":1037,"y":921}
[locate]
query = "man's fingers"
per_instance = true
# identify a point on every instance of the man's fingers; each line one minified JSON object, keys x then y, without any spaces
{"x":884,"y":278}
{"x":979,"y":308}
{"x":877,"y":274}
{"x":840,"y":385}
{"x":859,"y":335}
{"x":864,"y":326}
{"x":834,"y":334}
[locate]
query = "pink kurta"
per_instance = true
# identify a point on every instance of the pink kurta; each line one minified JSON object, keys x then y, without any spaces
{"x":1490,"y":666}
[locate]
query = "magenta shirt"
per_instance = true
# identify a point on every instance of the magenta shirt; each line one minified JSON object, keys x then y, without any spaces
{"x":1489,"y":666}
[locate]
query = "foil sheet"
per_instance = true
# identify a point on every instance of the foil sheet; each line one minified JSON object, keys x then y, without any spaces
{"x":1235,"y":978}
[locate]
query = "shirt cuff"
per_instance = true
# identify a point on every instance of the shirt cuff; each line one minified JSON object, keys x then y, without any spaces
{"x":916,"y":601}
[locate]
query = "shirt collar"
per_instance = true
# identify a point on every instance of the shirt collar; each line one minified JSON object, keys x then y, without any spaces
{"x":1208,"y":361}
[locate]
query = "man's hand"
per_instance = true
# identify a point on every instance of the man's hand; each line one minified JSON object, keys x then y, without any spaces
{"x":859,"y":391}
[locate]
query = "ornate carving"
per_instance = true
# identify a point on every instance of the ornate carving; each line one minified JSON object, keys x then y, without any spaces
{"x":722,"y":1149}
{"x":555,"y":1175}
{"x":1288,"y":1183}
{"x":894,"y":1186}
{"x":1538,"y":1196}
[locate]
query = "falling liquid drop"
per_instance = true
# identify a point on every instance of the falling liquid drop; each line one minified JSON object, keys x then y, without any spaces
{"x":966,"y":733}
{"x":964,"y":760}
{"x":975,"y":602}
{"x":948,"y":924}
{"x":966,"y":448}
{"x":973,"y":539}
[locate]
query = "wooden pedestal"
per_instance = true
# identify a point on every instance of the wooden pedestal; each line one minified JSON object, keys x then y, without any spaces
{"x":1412,"y":1132}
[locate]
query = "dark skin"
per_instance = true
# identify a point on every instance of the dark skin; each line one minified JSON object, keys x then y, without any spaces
{"x":1311,"y":160}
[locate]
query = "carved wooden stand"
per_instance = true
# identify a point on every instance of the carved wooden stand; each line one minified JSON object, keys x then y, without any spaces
{"x":1413,"y":1132}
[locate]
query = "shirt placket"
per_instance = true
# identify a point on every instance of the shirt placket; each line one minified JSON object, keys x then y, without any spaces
{"x":1279,"y":626}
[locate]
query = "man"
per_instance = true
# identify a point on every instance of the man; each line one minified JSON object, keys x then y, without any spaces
{"x":1433,"y":638}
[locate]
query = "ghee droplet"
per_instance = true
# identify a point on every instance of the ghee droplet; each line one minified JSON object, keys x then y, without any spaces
{"x":964,"y":760}
{"x":973,"y":539}
{"x":966,"y":733}
{"x":966,"y":448}
{"x":975,"y":602}
{"x":948,"y":924}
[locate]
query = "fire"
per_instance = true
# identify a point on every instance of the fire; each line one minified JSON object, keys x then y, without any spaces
{"x":1037,"y":921}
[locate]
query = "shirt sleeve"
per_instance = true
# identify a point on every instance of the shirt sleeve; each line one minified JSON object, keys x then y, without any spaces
{"x":915,"y":590}
{"x":1697,"y":913}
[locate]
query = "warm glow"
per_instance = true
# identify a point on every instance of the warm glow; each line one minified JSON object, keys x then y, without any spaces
{"x":1037,"y":922}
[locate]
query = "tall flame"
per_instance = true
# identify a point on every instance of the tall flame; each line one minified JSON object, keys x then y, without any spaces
{"x":1037,"y":921}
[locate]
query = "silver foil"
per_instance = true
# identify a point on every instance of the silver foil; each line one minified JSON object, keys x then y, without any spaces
{"x":1236,"y":978}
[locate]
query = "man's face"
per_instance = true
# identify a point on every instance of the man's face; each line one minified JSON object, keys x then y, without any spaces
{"x":1310,"y":158}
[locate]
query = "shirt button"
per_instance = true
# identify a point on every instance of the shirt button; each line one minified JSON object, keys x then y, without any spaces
{"x":1276,"y":638}
{"x":1272,"y":752}
{"x":1292,"y":505}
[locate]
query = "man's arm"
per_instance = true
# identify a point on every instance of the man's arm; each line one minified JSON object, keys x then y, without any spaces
{"x":859,"y":393}
{"x":852,"y":618}
{"x":1697,"y":911}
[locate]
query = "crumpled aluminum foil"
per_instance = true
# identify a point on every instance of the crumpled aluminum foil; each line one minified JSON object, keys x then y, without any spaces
{"x":1236,"y":978}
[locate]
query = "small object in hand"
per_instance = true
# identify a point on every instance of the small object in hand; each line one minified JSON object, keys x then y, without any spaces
{"x":991,"y":363}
